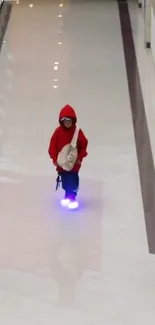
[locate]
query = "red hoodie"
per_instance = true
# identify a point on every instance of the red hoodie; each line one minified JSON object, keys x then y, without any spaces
{"x":63,"y":136}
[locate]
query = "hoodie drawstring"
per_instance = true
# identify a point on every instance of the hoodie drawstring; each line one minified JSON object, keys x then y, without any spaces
{"x":58,"y":182}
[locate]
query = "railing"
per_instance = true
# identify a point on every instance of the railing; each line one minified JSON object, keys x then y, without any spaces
{"x":146,"y":11}
{"x":153,"y":29}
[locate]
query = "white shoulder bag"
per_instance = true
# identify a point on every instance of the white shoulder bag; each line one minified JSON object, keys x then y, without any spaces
{"x":68,"y":155}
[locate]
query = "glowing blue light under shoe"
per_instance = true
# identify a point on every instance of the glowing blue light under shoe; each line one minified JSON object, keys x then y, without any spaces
{"x":73,"y":205}
{"x":65,"y":202}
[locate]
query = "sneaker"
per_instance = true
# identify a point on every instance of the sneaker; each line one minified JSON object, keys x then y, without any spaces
{"x":65,"y":202}
{"x":73,"y":205}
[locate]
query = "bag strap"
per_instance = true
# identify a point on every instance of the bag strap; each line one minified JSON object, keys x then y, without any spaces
{"x":75,"y":138}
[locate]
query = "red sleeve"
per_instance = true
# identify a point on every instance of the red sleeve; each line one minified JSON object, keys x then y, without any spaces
{"x":53,"y":147}
{"x":82,"y":145}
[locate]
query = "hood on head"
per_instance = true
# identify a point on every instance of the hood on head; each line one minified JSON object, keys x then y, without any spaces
{"x":67,"y":111}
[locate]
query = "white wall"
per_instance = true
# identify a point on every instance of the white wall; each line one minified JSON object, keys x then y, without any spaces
{"x":148,"y":10}
{"x":147,"y":22}
{"x":141,"y":3}
{"x":153,"y":32}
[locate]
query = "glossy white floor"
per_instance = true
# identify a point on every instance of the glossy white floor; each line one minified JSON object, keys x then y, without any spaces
{"x":90,"y":267}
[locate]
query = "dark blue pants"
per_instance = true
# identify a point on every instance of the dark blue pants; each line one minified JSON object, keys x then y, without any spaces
{"x":70,"y":182}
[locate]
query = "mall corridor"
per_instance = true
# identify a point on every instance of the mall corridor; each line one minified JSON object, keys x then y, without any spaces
{"x":96,"y":265}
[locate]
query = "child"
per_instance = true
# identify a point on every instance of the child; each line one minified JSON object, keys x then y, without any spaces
{"x":63,"y":136}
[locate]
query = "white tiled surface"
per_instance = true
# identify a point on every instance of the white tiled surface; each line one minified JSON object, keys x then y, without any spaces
{"x":91,"y":267}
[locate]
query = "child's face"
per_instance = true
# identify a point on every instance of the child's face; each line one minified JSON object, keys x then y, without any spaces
{"x":67,"y":123}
